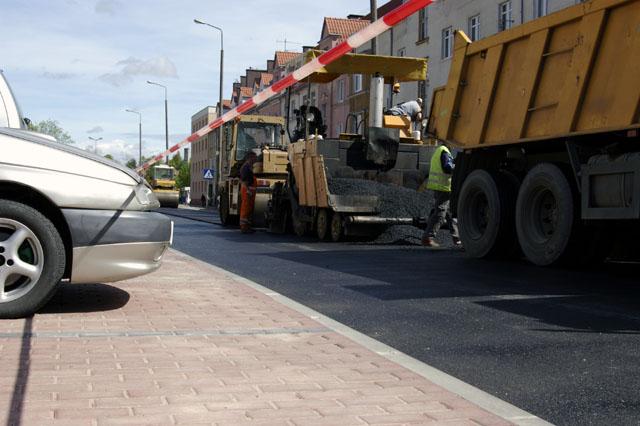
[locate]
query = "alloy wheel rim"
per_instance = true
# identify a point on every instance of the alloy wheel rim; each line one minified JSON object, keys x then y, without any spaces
{"x":22,"y":260}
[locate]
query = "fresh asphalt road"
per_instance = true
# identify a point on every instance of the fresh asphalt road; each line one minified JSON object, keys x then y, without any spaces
{"x":561,"y":344}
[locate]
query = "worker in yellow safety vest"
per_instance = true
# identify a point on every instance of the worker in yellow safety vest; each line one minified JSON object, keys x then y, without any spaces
{"x":439,"y":182}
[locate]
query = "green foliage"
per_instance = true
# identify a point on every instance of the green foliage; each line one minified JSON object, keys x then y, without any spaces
{"x":132,"y":164}
{"x":52,"y":128}
{"x":109,"y":157}
{"x":183,"y":178}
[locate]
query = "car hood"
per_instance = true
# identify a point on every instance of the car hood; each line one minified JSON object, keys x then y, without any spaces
{"x":40,"y":140}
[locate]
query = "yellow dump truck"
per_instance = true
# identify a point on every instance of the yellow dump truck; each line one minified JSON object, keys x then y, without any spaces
{"x":265,"y":136}
{"x":164,"y":185}
{"x":546,"y":116}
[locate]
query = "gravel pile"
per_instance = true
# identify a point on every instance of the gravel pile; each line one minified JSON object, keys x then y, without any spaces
{"x":395,"y":201}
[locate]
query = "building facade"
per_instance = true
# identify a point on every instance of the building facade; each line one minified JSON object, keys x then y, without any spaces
{"x":202,"y":155}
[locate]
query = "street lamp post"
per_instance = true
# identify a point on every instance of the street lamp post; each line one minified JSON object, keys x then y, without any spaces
{"x":220,"y":102}
{"x":95,"y":144}
{"x":139,"y":134}
{"x":166,"y":116}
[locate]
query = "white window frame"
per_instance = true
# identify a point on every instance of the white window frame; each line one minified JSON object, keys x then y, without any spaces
{"x":474,"y":28}
{"x":423,"y":25}
{"x":357,"y":83}
{"x":540,"y":8}
{"x":447,"y":43}
{"x":340,"y":90}
{"x":505,"y":16}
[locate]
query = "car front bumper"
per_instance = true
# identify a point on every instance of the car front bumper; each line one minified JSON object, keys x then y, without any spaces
{"x":111,"y":246}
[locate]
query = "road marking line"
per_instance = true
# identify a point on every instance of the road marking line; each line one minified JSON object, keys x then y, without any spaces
{"x":472,"y":394}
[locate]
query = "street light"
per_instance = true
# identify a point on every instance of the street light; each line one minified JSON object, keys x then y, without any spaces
{"x":139,"y":134}
{"x":95,"y":144}
{"x":166,"y":116}
{"x":220,"y":101}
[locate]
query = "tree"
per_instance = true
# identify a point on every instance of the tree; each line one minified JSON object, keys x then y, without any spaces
{"x":109,"y":157}
{"x":132,"y":164}
{"x":52,"y":128}
{"x":183,"y":178}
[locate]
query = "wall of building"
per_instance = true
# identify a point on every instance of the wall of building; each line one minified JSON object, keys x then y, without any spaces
{"x":201,"y":156}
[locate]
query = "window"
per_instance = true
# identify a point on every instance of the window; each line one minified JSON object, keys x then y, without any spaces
{"x":357,"y":83}
{"x":422,"y":91}
{"x":504,"y":16}
{"x":338,"y":129}
{"x":474,"y":28}
{"x":340,"y":94}
{"x":447,"y":43}
{"x":540,"y":8}
{"x":402,"y":52}
{"x":422,"y":25}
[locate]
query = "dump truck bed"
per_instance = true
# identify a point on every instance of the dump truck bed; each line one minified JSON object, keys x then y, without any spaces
{"x":573,"y":72}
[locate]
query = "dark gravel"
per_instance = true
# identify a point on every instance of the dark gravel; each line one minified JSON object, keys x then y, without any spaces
{"x":395,"y":201}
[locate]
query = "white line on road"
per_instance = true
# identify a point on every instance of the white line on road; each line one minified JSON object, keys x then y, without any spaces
{"x":472,"y":394}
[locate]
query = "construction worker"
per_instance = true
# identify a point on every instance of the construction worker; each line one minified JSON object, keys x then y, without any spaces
{"x":248,"y":185}
{"x":440,"y":183}
{"x":411,"y":109}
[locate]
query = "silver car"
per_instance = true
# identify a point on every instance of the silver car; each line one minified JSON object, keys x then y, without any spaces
{"x":67,"y":215}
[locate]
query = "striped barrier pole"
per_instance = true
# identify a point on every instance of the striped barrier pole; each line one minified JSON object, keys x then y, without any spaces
{"x":356,"y":40}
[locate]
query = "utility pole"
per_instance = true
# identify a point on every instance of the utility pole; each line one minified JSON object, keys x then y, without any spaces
{"x":166,"y":116}
{"x":220,"y":108}
{"x":374,"y":18}
{"x":95,"y":144}
{"x":139,"y":134}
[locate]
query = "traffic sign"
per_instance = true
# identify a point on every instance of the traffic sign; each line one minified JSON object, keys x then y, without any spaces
{"x":208,"y":174}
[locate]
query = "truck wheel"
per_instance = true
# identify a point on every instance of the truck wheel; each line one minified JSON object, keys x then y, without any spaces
{"x":32,"y":259}
{"x":224,"y":209}
{"x":337,"y":228}
{"x":485,"y":214}
{"x":323,"y":224}
{"x":545,"y":215}
{"x":299,"y":227}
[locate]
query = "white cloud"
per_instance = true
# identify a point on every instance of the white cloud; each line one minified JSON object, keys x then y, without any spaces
{"x":108,"y":7}
{"x":58,"y":75}
{"x":119,"y":149}
{"x":160,"y":66}
{"x":96,"y":129}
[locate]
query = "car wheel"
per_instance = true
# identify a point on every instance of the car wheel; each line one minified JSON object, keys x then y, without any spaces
{"x":545,"y":215}
{"x":32,"y":259}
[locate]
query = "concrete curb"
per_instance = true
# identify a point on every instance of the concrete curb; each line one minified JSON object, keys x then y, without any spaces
{"x":472,"y":394}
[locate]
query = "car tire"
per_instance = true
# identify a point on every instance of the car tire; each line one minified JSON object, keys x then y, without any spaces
{"x":32,"y":259}
{"x":546,"y":216}
{"x":485,"y":214}
{"x":226,"y":218}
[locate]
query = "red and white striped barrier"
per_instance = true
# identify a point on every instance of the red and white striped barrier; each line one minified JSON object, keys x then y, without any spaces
{"x":356,"y":40}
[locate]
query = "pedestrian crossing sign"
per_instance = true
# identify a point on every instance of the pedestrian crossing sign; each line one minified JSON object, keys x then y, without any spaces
{"x":207,"y":174}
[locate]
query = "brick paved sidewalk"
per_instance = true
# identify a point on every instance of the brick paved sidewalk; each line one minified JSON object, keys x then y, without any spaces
{"x":192,"y":345}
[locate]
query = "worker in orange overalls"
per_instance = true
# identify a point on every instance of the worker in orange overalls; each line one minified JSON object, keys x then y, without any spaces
{"x":248,"y":185}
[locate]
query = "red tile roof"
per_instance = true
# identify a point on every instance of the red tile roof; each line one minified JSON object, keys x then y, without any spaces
{"x":343,"y":27}
{"x":246,"y":92}
{"x":265,"y":79}
{"x":282,"y":58}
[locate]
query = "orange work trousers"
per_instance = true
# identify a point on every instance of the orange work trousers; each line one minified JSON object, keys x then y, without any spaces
{"x":248,"y":194}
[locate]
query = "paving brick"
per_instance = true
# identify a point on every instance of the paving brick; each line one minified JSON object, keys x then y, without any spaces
{"x":207,"y":363}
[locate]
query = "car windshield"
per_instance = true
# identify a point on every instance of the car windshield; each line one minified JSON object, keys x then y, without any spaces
{"x":162,"y":173}
{"x":256,"y":135}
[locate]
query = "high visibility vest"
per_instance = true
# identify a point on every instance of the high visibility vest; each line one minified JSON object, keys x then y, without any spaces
{"x":438,"y":179}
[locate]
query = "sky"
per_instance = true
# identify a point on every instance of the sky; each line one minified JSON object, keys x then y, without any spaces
{"x":83,"y":62}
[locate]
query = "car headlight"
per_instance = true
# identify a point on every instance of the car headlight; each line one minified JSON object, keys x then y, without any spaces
{"x":145,"y":195}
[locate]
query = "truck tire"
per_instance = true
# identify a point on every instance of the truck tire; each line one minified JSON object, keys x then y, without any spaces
{"x":323,"y":224}
{"x":32,"y":259}
{"x":337,"y":228}
{"x":226,"y":218}
{"x":546,"y":215}
{"x":300,"y":227}
{"x":485,"y":214}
